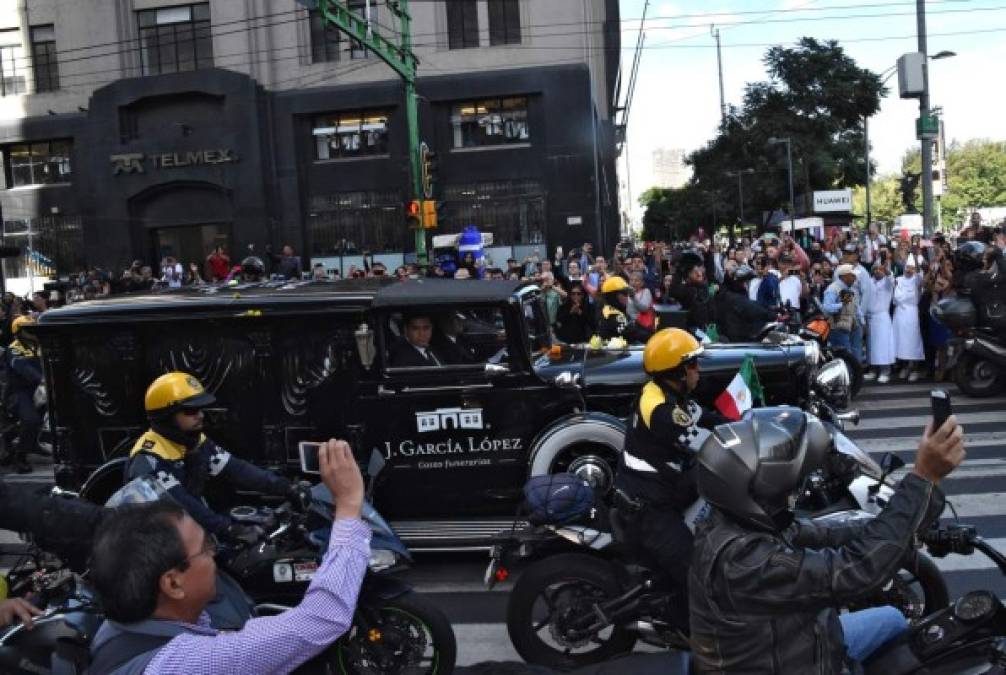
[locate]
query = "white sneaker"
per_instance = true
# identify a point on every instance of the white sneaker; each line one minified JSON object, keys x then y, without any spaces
{"x":914,"y":377}
{"x":884,"y":379}
{"x":869,"y":376}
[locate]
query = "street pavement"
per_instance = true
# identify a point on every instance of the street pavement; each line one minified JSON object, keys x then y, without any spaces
{"x":893,"y":416}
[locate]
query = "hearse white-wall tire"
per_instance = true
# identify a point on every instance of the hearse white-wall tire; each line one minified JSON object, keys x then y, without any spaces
{"x":587,"y":445}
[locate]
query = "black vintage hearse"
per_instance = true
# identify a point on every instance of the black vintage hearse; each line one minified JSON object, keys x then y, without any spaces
{"x":308,"y":360}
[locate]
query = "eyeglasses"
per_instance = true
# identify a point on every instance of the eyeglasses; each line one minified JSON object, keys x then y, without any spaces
{"x":209,"y":548}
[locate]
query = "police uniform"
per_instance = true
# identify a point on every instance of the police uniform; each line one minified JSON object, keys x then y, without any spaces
{"x":24,"y":375}
{"x":614,"y":322}
{"x":183,"y":462}
{"x":666,"y":430}
{"x":183,"y":474}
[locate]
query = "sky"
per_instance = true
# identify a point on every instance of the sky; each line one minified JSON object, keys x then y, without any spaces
{"x":676,"y":99}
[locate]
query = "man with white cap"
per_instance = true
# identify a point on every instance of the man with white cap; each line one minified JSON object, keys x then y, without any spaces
{"x":842,"y":301}
{"x":908,"y":346}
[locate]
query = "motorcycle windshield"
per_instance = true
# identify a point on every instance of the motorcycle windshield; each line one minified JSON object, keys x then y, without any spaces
{"x":847,"y":446}
{"x":322,"y":503}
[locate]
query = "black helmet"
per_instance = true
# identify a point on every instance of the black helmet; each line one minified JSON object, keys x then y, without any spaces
{"x":252,"y":265}
{"x":750,"y":469}
{"x":735,"y":280}
{"x":689,"y":260}
{"x":968,"y":256}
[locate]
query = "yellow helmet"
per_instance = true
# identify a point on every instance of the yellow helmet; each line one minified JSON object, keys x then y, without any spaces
{"x":174,"y":391}
{"x":614,"y":284}
{"x":19,"y":323}
{"x":668,"y":349}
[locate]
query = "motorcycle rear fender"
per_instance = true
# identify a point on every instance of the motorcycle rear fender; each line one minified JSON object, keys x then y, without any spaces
{"x":569,"y":430}
{"x":378,"y":588}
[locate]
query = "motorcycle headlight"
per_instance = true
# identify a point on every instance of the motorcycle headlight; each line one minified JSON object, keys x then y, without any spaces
{"x":832,"y":383}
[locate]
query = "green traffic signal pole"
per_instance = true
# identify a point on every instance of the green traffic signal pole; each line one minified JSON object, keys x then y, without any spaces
{"x":402,"y":61}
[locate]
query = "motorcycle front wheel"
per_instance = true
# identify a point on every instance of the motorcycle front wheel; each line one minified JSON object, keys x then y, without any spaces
{"x":406,"y":635}
{"x":551,"y":594}
{"x":978,"y":377}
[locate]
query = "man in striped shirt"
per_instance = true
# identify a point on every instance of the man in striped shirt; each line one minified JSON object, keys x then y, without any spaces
{"x":154,"y":571}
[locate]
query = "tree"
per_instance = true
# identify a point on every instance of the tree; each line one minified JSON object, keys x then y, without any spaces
{"x":885,"y":200}
{"x":817,"y":97}
{"x":976,"y":177}
{"x":676,"y":213}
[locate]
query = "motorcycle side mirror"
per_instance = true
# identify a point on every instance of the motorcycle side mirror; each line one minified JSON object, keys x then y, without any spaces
{"x":891,"y":463}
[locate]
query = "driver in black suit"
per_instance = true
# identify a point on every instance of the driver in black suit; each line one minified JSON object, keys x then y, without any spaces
{"x":415,"y":350}
{"x":449,"y":341}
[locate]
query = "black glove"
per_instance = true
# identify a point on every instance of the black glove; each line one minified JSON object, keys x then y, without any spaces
{"x":243,"y":533}
{"x":299,"y":495}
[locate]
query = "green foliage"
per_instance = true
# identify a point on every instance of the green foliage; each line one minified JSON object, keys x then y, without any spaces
{"x":885,"y":200}
{"x":817,"y":97}
{"x":976,"y":177}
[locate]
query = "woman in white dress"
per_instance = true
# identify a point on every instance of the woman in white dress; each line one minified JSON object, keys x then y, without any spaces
{"x":878,"y":316}
{"x":907,"y":331}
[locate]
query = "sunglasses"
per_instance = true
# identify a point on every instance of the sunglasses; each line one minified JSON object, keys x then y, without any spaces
{"x":191,"y":412}
{"x":576,"y":292}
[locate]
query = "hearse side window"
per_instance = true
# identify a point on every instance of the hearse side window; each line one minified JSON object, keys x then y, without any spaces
{"x":539,"y":337}
{"x":446,"y":339}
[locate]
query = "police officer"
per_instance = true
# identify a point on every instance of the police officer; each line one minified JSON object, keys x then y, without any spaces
{"x":177,"y":453}
{"x":614,"y":322}
{"x":655,"y":476}
{"x":24,"y":375}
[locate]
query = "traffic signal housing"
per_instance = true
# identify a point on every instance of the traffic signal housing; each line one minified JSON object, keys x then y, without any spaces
{"x":414,"y":214}
{"x":429,"y":214}
{"x":430,"y":167}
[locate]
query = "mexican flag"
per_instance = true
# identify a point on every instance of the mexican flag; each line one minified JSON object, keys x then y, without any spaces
{"x":741,"y":392}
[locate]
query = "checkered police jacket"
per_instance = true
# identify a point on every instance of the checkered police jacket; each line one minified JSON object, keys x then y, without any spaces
{"x":183,"y":474}
{"x":665,"y":432}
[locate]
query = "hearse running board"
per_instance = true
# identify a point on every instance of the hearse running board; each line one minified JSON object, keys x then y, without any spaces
{"x":433,"y":535}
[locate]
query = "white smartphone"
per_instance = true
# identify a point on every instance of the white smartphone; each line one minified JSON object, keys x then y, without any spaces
{"x":309,"y":462}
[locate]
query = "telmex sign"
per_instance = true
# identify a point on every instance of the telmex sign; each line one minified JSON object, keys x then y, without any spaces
{"x":133,"y":162}
{"x":833,"y":201}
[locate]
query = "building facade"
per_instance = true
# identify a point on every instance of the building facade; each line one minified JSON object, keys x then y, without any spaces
{"x":669,"y":168}
{"x":135,"y":129}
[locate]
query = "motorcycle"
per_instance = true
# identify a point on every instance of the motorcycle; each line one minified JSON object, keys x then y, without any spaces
{"x":966,"y":637}
{"x":585,"y":596}
{"x":977,"y":354}
{"x":394,"y":629}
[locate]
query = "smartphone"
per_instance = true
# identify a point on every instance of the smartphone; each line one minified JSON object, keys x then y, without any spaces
{"x":309,"y":462}
{"x":941,"y":407}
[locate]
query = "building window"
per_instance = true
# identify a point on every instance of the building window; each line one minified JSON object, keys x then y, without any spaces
{"x":358,"y":7}
{"x":462,"y":24}
{"x":41,"y":163}
{"x":514,"y":211}
{"x":324,"y":39}
{"x":12,"y":61}
{"x":351,"y":134}
{"x":348,"y":223}
{"x":494,"y":121}
{"x":175,"y":39}
{"x":51,"y":245}
{"x":504,"y":22}
{"x":43,"y":58}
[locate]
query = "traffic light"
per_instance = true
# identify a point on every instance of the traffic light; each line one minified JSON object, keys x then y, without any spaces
{"x":414,"y":214}
{"x":429,"y":214}
{"x":430,"y":168}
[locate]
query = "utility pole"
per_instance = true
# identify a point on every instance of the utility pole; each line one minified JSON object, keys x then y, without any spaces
{"x":869,"y":178}
{"x":402,"y":61}
{"x":719,"y":65}
{"x":924,"y":136}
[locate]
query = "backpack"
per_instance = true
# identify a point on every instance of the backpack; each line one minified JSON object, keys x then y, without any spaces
{"x":557,"y":499}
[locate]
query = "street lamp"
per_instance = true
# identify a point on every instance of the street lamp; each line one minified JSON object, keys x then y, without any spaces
{"x":885,"y":76}
{"x":789,"y":165}
{"x":740,"y":196}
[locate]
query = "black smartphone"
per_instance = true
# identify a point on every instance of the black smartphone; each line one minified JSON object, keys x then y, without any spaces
{"x":309,"y":462}
{"x":941,"y":407}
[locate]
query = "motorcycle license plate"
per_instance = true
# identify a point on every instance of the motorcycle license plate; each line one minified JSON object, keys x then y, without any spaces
{"x":304,"y":571}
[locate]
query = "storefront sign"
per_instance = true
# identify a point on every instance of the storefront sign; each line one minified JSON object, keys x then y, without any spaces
{"x":134,"y":162}
{"x":833,"y":201}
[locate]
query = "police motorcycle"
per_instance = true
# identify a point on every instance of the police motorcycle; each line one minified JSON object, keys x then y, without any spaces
{"x":584,"y":595}
{"x":394,"y":629}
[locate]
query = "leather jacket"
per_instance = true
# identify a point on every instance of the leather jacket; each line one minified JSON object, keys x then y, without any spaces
{"x":764,"y":602}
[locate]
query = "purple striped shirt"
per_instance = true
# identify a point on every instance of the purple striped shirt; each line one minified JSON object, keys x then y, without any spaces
{"x":276,"y":645}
